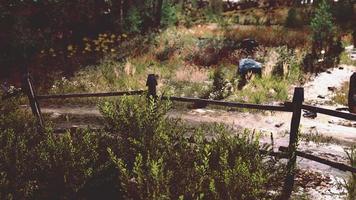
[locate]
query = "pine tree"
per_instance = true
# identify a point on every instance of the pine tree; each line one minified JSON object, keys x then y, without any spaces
{"x":323,"y":27}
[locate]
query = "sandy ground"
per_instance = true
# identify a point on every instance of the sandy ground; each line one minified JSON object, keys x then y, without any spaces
{"x":342,"y":131}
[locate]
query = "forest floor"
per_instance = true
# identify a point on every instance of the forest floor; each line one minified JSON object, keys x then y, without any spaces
{"x":324,"y":136}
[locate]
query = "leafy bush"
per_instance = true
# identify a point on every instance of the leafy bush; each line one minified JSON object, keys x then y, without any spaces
{"x":169,"y":14}
{"x":322,"y":26}
{"x":160,"y":158}
{"x":42,"y":165}
{"x":142,"y":154}
{"x":133,"y":22}
{"x":222,"y":88}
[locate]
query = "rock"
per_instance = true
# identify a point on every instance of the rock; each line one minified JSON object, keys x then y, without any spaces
{"x":269,"y":121}
{"x":309,"y":114}
{"x":279,"y":125}
{"x":55,"y":115}
{"x":329,"y":72}
{"x":341,"y":68}
{"x":321,"y":96}
{"x":333,"y":89}
{"x":272,"y":92}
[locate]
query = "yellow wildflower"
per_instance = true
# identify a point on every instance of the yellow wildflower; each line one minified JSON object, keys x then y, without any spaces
{"x":70,"y":48}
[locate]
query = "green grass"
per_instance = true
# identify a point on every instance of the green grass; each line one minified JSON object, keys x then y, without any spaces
{"x":341,"y":94}
{"x":318,"y":138}
{"x":345,"y":59}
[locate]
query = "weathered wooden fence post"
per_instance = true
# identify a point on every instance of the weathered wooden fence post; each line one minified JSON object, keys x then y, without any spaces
{"x":151,"y":84}
{"x":27,"y":86}
{"x":298,"y":98}
{"x":352,"y":94}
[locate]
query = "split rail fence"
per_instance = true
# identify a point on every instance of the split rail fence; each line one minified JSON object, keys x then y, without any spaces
{"x":295,"y":107}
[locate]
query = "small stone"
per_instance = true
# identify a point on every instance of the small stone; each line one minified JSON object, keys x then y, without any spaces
{"x":329,"y":72}
{"x":333,"y":89}
{"x":279,"y":125}
{"x":341,"y":68}
{"x":269,"y":121}
{"x":272,"y":91}
{"x":321,"y":96}
{"x":55,"y":115}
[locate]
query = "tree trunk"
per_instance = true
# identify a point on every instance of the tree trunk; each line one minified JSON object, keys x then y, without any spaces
{"x":117,"y":14}
{"x":159,"y":13}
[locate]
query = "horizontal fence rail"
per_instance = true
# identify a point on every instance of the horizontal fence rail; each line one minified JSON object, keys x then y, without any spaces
{"x":82,"y":95}
{"x":324,"y":161}
{"x":335,"y":113}
{"x":282,"y":108}
{"x":294,"y":107}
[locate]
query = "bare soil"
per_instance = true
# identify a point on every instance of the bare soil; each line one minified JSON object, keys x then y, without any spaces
{"x":341,"y":133}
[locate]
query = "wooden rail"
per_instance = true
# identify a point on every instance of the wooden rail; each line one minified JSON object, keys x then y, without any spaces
{"x":82,"y":95}
{"x":282,"y":108}
{"x":295,"y":107}
{"x":324,"y":161}
{"x":334,"y":113}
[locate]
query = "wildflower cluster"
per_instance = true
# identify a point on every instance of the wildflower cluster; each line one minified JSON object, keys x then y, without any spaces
{"x":104,"y":43}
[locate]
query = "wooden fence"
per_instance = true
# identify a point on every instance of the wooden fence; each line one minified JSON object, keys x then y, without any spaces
{"x":295,"y":107}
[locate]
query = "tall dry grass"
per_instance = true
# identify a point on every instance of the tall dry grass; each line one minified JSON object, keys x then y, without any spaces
{"x":192,"y":74}
{"x":271,"y":36}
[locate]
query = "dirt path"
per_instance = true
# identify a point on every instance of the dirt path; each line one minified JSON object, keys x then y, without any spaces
{"x":342,"y":132}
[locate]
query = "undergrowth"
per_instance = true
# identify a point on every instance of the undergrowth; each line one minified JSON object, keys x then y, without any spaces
{"x":141,"y":154}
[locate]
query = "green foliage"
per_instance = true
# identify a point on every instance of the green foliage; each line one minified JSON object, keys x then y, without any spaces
{"x":322,"y":25}
{"x":141,"y":155}
{"x":42,"y":165}
{"x":169,"y":14}
{"x":262,"y":90}
{"x":222,"y":88}
{"x":133,"y":22}
{"x":163,"y":159}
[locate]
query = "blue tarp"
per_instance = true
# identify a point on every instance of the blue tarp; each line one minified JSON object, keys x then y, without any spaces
{"x":247,"y":64}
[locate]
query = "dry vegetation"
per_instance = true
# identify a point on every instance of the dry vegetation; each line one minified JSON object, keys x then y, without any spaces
{"x":185,"y":61}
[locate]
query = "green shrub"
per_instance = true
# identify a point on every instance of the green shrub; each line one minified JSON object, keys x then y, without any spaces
{"x":42,"y":165}
{"x":164,"y":159}
{"x":323,"y":27}
{"x":169,"y":14}
{"x":133,"y":22}
{"x":142,"y":155}
{"x":222,"y":88}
